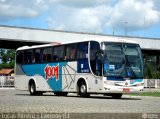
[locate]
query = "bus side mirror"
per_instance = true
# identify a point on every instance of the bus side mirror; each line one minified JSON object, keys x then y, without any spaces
{"x":100,"y":52}
{"x":99,"y":55}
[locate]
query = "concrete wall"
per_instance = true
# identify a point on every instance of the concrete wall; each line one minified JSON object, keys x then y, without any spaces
{"x":41,"y":35}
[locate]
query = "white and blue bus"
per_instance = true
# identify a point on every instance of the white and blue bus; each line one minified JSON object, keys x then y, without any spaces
{"x":109,"y":67}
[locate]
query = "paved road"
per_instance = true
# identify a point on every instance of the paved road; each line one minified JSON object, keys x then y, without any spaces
{"x":13,"y":101}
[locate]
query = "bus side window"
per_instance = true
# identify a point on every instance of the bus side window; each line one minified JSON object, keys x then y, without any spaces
{"x":58,"y":54}
{"x":47,"y":54}
{"x":54,"y":57}
{"x":25,"y":57}
{"x":71,"y":52}
{"x":28,"y":56}
{"x":38,"y":57}
{"x":68,"y":49}
{"x":19,"y":57}
{"x":82,"y":51}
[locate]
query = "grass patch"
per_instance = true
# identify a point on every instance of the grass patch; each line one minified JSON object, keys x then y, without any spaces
{"x":153,"y":94}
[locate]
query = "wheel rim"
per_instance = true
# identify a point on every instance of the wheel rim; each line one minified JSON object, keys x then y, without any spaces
{"x":83,"y":89}
{"x":32,"y":88}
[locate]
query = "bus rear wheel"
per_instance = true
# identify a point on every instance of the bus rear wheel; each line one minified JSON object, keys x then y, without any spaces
{"x":83,"y":90}
{"x":32,"y":89}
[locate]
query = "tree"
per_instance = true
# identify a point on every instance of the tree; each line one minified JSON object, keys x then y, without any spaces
{"x":148,"y":72}
{"x":7,"y":58}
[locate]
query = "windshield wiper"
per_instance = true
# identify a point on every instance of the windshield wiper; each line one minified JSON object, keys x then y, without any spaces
{"x":132,"y":72}
{"x":127,"y":65}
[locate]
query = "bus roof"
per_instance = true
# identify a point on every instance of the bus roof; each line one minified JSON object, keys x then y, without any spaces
{"x":115,"y":40}
{"x":102,"y":39}
{"x":38,"y":46}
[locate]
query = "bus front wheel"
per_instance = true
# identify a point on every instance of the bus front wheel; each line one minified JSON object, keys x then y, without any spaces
{"x":83,"y":90}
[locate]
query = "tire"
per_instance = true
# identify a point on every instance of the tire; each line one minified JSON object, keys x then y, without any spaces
{"x":32,"y":88}
{"x":83,"y":90}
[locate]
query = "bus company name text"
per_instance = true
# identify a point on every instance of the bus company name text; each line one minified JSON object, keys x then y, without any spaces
{"x":51,"y":72}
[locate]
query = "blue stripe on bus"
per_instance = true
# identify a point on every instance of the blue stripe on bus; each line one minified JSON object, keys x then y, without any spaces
{"x":122,"y":79}
{"x":54,"y":81}
{"x":115,"y":79}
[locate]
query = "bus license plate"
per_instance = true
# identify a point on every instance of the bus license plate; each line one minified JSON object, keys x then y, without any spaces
{"x":125,"y":89}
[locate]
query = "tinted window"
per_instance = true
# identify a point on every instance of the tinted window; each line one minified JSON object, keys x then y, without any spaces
{"x":82,"y":51}
{"x":95,"y":62}
{"x":71,"y":52}
{"x":38,"y":55}
{"x":58,"y":53}
{"x":19,"y":57}
{"x":94,"y":47}
{"x":28,"y":56}
{"x":47,"y":54}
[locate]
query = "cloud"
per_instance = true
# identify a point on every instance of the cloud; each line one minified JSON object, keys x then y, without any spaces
{"x":80,"y":3}
{"x":96,"y":16}
{"x":12,"y":9}
{"x":83,"y":20}
{"x":85,"y":16}
{"x":75,"y":15}
{"x":138,"y":14}
{"x":156,"y":4}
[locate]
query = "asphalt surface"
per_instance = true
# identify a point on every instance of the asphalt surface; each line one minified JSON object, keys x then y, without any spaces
{"x":20,"y":102}
{"x":14,"y":101}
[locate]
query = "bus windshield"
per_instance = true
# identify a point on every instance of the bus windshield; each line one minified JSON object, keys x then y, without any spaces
{"x":122,"y":60}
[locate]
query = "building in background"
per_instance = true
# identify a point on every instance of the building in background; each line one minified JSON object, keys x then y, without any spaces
{"x":21,"y":36}
{"x":6,"y":72}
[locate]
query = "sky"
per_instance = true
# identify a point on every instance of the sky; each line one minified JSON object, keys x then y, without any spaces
{"x":137,"y":18}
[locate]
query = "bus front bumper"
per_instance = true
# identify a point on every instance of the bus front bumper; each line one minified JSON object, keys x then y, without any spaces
{"x":123,"y":89}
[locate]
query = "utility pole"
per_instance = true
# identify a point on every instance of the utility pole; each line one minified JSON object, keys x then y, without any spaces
{"x":125,"y":27}
{"x":113,"y":31}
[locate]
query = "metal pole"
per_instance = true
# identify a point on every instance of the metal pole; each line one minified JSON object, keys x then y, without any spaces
{"x":126,"y":27}
{"x":2,"y":81}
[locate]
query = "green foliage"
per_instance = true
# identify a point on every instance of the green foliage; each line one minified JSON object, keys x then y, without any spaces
{"x":153,"y":94}
{"x":149,"y":73}
{"x":156,"y":75}
{"x":8,"y":57}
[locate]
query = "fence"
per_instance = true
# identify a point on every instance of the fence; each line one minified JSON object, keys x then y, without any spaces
{"x":6,"y":81}
{"x":152,"y":83}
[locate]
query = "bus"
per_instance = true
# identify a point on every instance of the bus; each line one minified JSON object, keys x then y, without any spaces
{"x":99,"y":66}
